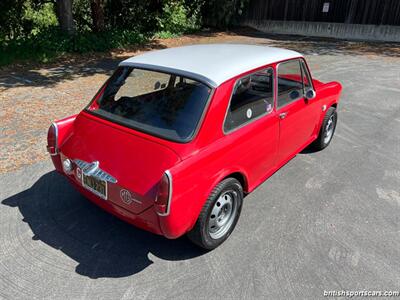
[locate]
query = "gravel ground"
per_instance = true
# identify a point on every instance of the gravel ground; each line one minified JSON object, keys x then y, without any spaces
{"x":325,"y":221}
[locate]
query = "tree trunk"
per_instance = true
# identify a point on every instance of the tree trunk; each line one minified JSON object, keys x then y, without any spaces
{"x":97,"y":7}
{"x":64,"y":15}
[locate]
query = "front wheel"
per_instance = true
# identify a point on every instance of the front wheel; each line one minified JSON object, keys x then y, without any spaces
{"x":327,"y":130}
{"x":219,"y":215}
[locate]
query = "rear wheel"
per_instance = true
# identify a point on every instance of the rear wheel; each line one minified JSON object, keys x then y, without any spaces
{"x":219,"y":215}
{"x":327,"y":130}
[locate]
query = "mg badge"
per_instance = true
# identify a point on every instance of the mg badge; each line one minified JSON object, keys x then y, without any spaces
{"x":126,"y":196}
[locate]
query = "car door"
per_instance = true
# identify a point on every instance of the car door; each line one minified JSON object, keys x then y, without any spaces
{"x":251,"y":126}
{"x":298,"y":116}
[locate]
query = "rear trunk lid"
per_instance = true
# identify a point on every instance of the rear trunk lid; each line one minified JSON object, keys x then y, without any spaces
{"x":136,"y":162}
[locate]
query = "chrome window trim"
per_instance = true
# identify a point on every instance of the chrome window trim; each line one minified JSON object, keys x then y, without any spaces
{"x":308,"y":73}
{"x":277,"y":83}
{"x":56,"y":150}
{"x":202,"y":117}
{"x":230,"y":99}
{"x":167,"y":70}
{"x":169,"y":176}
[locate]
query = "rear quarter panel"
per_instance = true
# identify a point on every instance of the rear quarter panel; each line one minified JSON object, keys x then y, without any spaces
{"x":196,"y":176}
{"x":193,"y":180}
{"x":64,"y":131}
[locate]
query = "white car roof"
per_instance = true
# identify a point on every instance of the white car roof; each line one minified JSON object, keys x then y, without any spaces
{"x":210,"y":63}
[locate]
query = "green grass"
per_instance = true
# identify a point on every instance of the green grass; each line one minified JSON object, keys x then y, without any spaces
{"x":166,"y":35}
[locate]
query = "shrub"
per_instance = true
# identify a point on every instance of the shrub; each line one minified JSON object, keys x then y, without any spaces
{"x":223,"y":13}
{"x":82,"y":15}
{"x":176,"y":19}
{"x":41,"y":18}
{"x":52,"y":43}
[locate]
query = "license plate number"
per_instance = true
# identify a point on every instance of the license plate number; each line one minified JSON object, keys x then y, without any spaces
{"x":95,"y":185}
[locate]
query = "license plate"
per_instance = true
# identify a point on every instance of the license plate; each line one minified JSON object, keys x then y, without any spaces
{"x":95,"y":185}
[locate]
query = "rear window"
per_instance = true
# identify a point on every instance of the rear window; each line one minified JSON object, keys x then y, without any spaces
{"x":165,"y":105}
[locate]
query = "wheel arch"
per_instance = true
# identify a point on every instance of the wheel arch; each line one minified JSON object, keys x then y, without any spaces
{"x":236,"y":173}
{"x":239,"y":176}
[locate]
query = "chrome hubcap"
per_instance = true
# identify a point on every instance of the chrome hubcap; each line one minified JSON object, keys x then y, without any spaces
{"x":329,"y":130}
{"x":222,"y":214}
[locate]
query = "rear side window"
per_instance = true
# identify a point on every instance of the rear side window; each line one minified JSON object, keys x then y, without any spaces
{"x":166,"y":105}
{"x":290,"y":82}
{"x":252,"y":98}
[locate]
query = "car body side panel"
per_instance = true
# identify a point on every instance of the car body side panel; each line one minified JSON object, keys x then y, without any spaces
{"x":298,"y":125}
{"x":195,"y":177}
{"x":250,"y":151}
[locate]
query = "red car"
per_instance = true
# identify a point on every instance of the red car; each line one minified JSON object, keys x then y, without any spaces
{"x":175,"y":138}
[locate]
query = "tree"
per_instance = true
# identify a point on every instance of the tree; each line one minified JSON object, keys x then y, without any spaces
{"x":223,"y":13}
{"x":64,"y":15}
{"x":97,"y":8}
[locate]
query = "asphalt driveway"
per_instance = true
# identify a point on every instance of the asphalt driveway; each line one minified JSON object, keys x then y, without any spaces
{"x":326,"y":221}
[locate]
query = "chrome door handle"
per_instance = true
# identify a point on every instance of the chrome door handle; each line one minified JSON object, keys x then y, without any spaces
{"x":283,"y":115}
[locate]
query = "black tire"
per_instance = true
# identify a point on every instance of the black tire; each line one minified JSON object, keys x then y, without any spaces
{"x":322,"y":142}
{"x":202,"y":234}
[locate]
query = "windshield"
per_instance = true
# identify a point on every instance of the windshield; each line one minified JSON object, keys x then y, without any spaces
{"x":166,"y":105}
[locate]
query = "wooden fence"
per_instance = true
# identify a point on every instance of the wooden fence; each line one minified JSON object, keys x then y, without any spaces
{"x":377,"y":12}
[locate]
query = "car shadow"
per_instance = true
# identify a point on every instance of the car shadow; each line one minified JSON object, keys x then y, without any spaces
{"x":68,"y":68}
{"x":101,"y":244}
{"x":309,"y":149}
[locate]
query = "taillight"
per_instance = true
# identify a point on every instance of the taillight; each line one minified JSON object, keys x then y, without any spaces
{"x":163,"y":199}
{"x":52,"y":136}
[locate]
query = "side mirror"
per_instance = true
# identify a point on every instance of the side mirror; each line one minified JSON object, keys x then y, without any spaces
{"x":310,"y":94}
